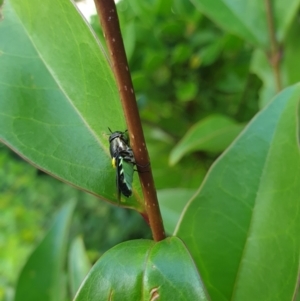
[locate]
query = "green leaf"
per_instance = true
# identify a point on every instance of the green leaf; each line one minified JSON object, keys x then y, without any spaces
{"x":291,"y":61}
{"x":180,"y":53}
{"x":129,"y":39}
{"x":212,"y":134}
{"x":243,"y":227}
{"x":144,"y":270}
{"x":186,"y":91}
{"x":262,"y":68}
{"x":42,"y":277}
{"x":58,"y":95}
{"x":210,"y":53}
{"x":289,"y":66}
{"x":172,"y":203}
{"x":247,"y":18}
{"x":79,"y":264}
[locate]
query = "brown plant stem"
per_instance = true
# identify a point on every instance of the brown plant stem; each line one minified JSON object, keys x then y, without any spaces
{"x":107,"y":14}
{"x":275,"y":55}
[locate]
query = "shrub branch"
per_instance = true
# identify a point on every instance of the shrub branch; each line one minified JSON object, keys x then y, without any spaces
{"x":275,"y":55}
{"x":107,"y":14}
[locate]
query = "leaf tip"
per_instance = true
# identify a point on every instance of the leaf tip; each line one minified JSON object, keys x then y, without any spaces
{"x":174,"y":157}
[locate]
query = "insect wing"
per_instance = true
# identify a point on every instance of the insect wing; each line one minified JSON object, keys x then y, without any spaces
{"x":128,"y":156}
{"x":124,"y":176}
{"x":128,"y":174}
{"x":118,"y":162}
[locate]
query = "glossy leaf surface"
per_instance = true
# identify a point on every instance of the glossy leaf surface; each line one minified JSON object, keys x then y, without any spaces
{"x":242,"y":228}
{"x":144,"y":270}
{"x":58,"y":95}
{"x":42,"y":277}
{"x":212,"y":134}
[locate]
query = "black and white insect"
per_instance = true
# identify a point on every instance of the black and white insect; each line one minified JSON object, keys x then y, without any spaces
{"x":123,"y":160}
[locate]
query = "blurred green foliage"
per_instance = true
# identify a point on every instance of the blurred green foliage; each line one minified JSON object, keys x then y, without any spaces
{"x":181,"y":65}
{"x":23,"y":207}
{"x":184,"y":69}
{"x":28,"y":200}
